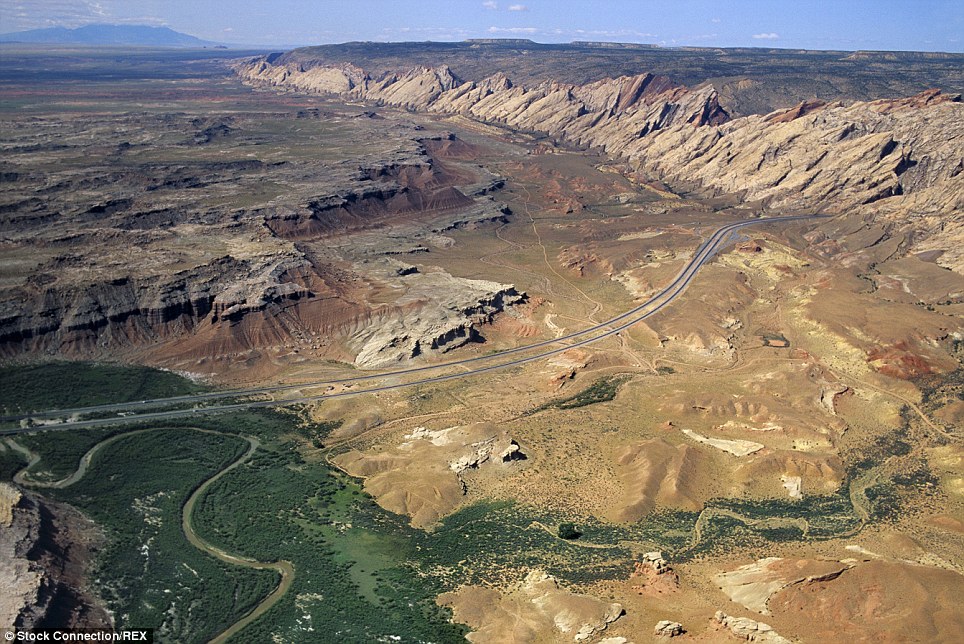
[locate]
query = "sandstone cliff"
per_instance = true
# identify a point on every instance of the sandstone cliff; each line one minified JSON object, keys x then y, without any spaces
{"x":896,"y":161}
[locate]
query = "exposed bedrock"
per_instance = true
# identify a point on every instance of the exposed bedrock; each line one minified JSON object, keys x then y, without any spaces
{"x":231,"y":306}
{"x":264,"y":277}
{"x":438,"y":314}
{"x":365,"y":208}
{"x":899,"y":161}
{"x":44,"y":548}
{"x":80,"y":318}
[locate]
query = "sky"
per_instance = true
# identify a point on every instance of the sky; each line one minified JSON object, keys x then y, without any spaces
{"x":920,"y":25}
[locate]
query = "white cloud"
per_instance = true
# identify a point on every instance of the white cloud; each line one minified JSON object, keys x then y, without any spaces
{"x":490,"y":4}
{"x":612,"y":33}
{"x":769,"y":36}
{"x":512,"y":30}
{"x":714,"y":20}
{"x":518,"y":7}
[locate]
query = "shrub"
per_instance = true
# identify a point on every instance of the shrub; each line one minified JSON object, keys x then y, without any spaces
{"x":568,"y":531}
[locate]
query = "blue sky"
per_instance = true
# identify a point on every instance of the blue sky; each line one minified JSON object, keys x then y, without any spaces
{"x":926,"y":25}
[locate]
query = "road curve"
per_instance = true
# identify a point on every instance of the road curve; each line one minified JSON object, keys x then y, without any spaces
{"x":603,"y":330}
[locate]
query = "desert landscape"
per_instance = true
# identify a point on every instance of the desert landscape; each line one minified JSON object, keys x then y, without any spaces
{"x":486,"y":340}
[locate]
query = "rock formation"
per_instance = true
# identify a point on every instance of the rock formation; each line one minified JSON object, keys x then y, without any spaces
{"x":735,"y":447}
{"x":750,"y":630}
{"x":42,"y":565}
{"x":537,"y":609}
{"x":438,"y":314}
{"x":896,"y":161}
{"x":666,"y":628}
{"x":173,"y":261}
{"x":883,"y":601}
{"x":427,"y":475}
{"x":752,"y":585}
{"x":654,"y":576}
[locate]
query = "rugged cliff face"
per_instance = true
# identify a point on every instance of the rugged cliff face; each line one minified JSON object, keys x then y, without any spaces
{"x":80,"y":319}
{"x":44,"y":549}
{"x":899,"y":161}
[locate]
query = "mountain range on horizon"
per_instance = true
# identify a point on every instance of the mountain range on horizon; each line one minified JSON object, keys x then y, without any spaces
{"x":104,"y":34}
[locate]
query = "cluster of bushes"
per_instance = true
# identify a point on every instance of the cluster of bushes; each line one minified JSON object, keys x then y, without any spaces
{"x":603,"y":390}
{"x":148,"y":572}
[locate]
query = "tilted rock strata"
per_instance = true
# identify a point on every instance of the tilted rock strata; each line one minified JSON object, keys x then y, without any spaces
{"x":905,"y":156}
{"x":752,"y":585}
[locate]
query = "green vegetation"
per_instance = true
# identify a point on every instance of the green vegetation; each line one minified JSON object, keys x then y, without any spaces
{"x":826,"y":516}
{"x":568,"y":531}
{"x":355,"y":564}
{"x":885,"y":501}
{"x":891,"y":444}
{"x":775,"y":340}
{"x":360,"y":571}
{"x":603,"y":390}
{"x":940,"y":390}
{"x":59,"y":385}
{"x":148,"y":573}
{"x":491,"y":542}
{"x":61,"y":451}
{"x":10,"y":462}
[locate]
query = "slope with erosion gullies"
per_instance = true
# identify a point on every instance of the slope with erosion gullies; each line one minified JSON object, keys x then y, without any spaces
{"x":99,"y":316}
{"x":898,"y":161}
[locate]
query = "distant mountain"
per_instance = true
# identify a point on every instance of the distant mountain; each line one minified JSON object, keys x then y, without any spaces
{"x":137,"y":35}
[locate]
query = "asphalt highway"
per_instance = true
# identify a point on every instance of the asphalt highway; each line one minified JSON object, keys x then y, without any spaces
{"x":584,"y":337}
